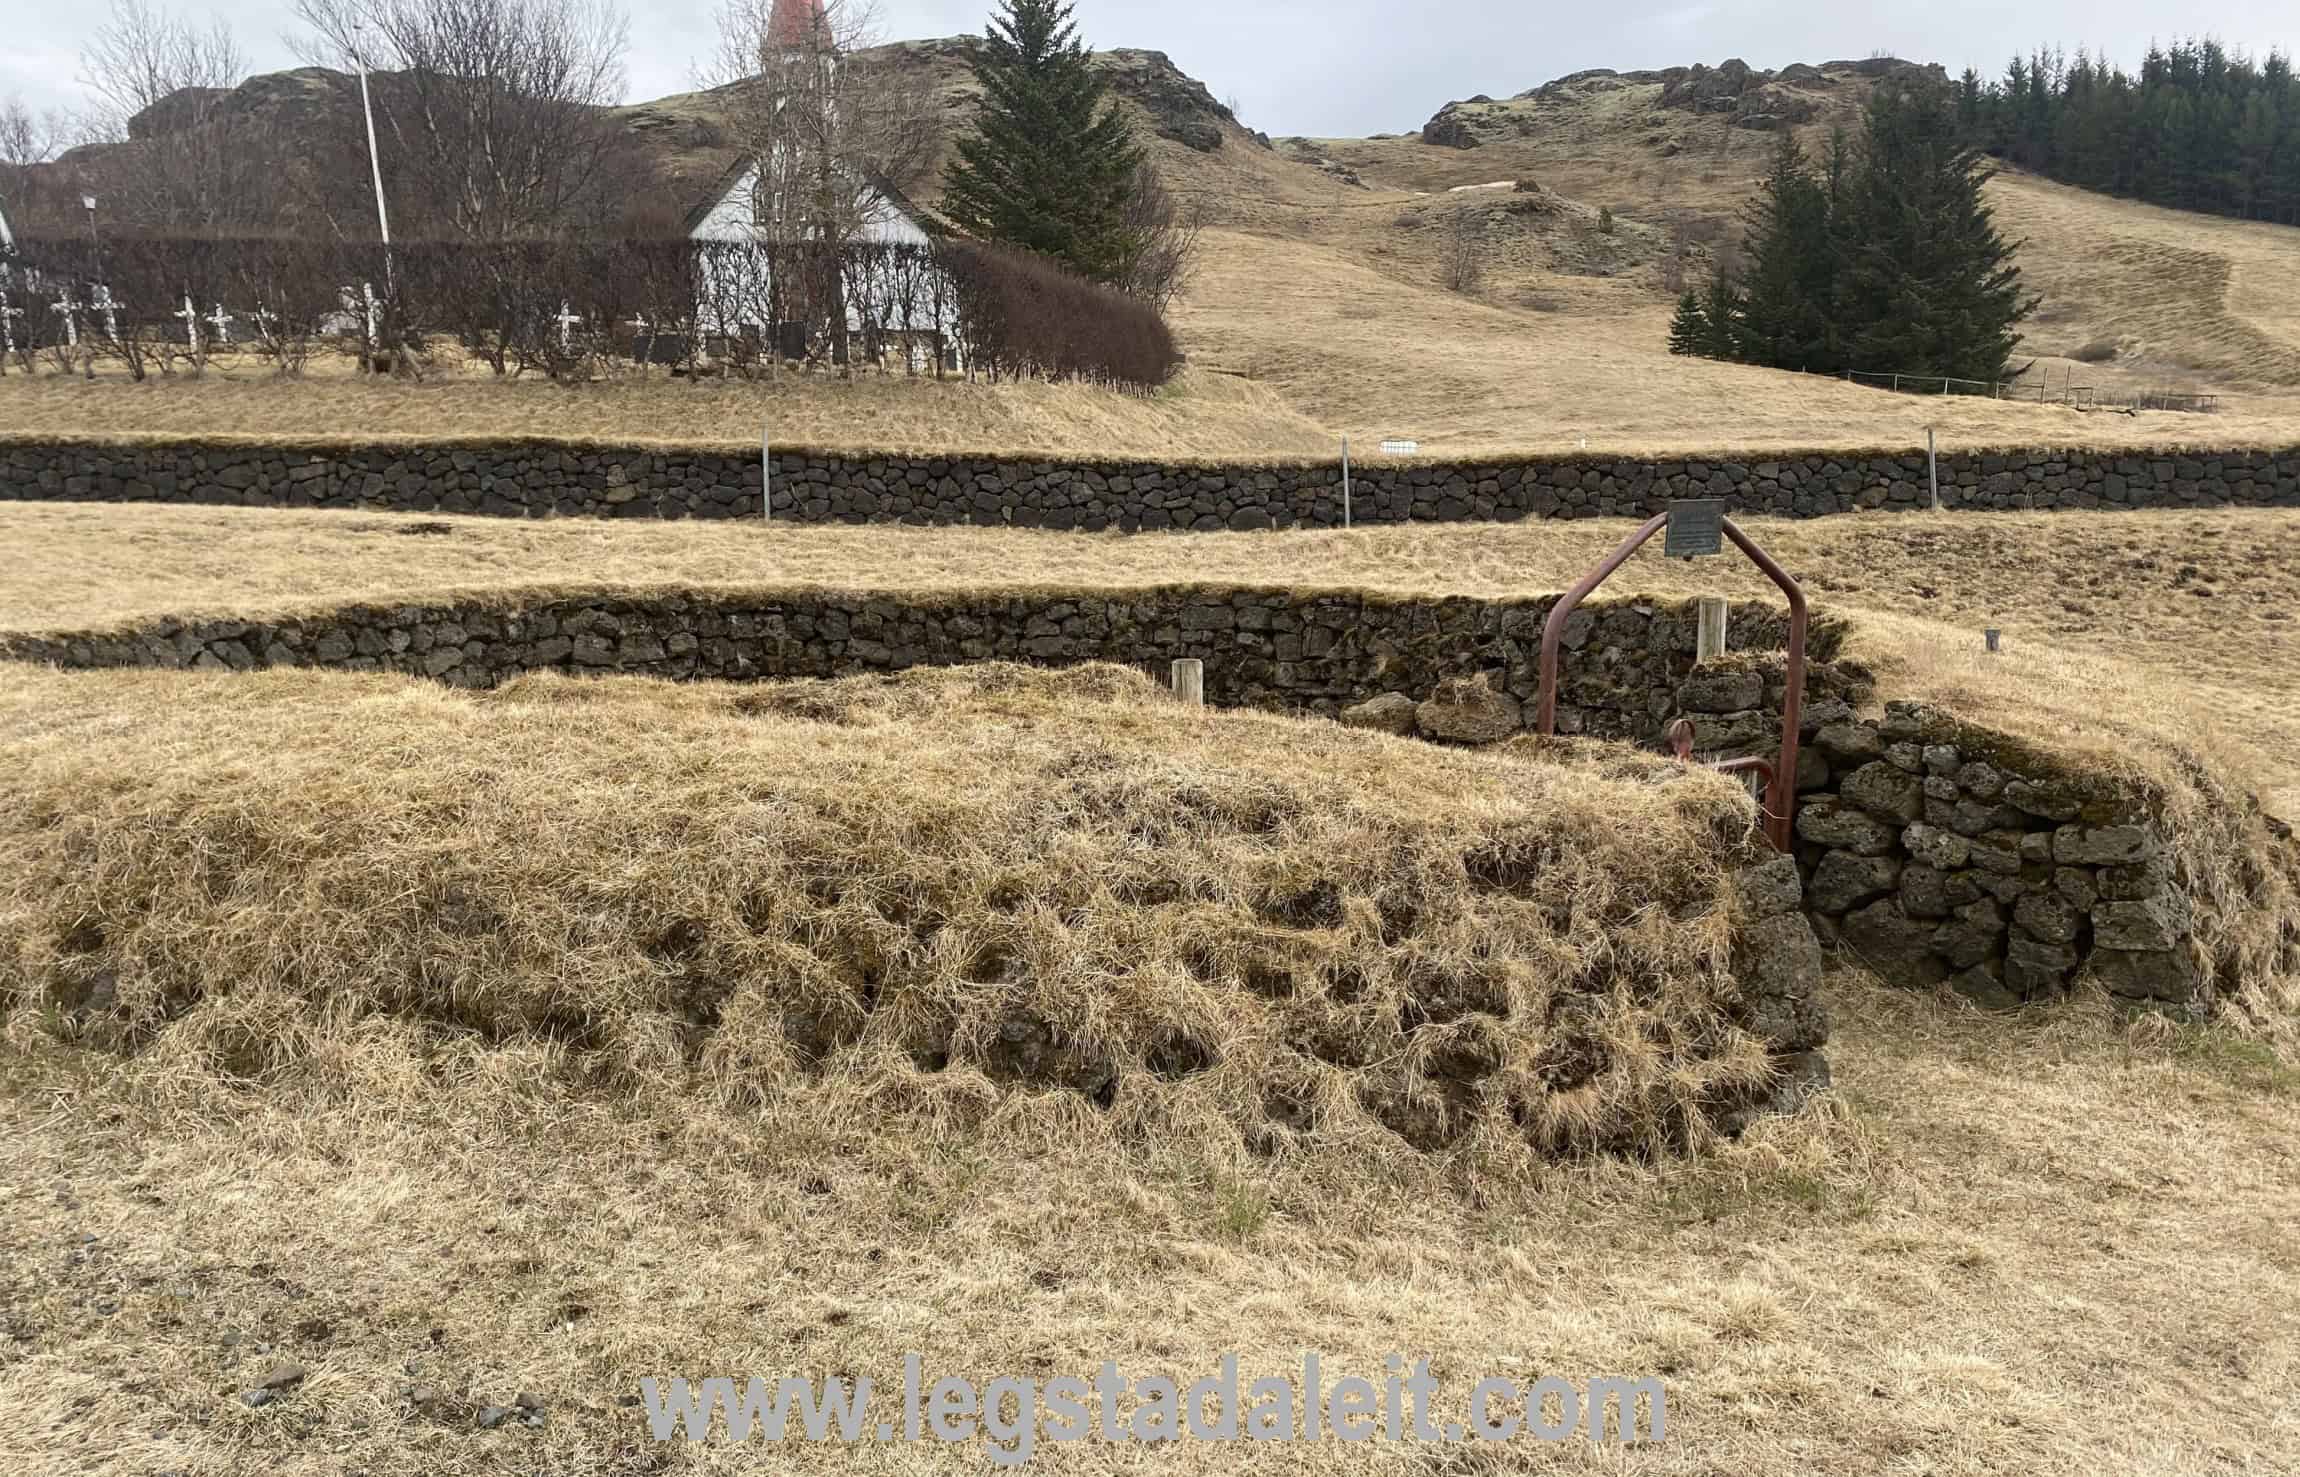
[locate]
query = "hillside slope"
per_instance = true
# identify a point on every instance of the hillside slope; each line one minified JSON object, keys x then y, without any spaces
{"x":1588,"y":201}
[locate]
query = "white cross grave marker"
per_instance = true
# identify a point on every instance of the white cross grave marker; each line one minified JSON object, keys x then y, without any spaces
{"x":567,"y":320}
{"x":191,"y":317}
{"x":71,"y":312}
{"x":221,"y":322}
{"x":102,"y":303}
{"x":9,"y":313}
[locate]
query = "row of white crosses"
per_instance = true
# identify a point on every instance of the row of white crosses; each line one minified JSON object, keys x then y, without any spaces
{"x":102,"y":302}
{"x":220,"y":320}
{"x":99,"y":302}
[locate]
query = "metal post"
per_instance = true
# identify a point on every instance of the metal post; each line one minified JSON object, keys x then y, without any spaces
{"x":766,"y":476}
{"x":1345,"y":482}
{"x":1933,"y":468}
{"x":374,"y":161}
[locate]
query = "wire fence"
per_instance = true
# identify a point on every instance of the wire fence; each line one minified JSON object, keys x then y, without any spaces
{"x":2082,"y":397}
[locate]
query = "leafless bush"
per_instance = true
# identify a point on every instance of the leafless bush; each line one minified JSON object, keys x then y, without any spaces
{"x":1461,"y":257}
{"x":1162,"y":236}
{"x":572,"y":309}
{"x":1022,"y":316}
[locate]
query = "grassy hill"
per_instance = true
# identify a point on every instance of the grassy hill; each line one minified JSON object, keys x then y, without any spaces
{"x":1320,"y":280}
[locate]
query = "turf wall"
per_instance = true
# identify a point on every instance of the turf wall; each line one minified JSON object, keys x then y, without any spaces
{"x":1939,"y":854}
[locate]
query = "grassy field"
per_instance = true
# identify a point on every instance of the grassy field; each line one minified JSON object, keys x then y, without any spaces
{"x":462,"y":1134}
{"x":1200,"y":415}
{"x":459,"y":1045}
{"x":2043,"y":1247}
{"x":2189,"y":616}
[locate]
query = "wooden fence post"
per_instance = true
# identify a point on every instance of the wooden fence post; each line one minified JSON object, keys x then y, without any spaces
{"x":1933,"y":467}
{"x":1190,"y":682}
{"x":1710,"y":640}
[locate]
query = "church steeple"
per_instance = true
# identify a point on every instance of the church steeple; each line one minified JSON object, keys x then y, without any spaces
{"x":797,"y":24}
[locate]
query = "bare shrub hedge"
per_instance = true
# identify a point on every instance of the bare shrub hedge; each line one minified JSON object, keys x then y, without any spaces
{"x":576,"y":309}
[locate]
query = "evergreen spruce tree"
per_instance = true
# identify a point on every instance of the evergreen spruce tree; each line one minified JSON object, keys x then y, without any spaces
{"x":1925,"y":284}
{"x":1721,"y":325}
{"x":1052,"y":164}
{"x":1689,"y":330}
{"x":1790,"y":286}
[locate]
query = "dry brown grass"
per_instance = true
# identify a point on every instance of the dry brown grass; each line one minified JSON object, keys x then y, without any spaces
{"x":2186,"y":616}
{"x":1338,"y":314}
{"x":1360,"y":349}
{"x":423,"y":1099}
{"x":894,"y":896}
{"x":1199,"y":415}
{"x":2029,"y":1246}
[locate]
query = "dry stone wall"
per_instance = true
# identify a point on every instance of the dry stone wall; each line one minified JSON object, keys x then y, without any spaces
{"x":540,"y":480}
{"x":1262,"y":648}
{"x":1943,"y":854}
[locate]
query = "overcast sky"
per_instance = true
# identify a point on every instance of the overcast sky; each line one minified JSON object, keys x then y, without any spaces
{"x":1350,"y":67}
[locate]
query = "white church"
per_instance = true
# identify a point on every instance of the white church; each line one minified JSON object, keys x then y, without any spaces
{"x":908,"y":309}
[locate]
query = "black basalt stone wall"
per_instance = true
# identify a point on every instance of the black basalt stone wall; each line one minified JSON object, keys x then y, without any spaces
{"x":1273,"y":649}
{"x":534,"y":480}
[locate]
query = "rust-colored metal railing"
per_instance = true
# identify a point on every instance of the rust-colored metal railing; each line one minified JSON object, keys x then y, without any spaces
{"x":1780,"y":777}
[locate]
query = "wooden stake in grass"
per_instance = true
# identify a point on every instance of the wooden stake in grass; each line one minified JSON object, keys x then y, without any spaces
{"x":1190,"y":682}
{"x":1711,"y":632}
{"x":1933,"y":468}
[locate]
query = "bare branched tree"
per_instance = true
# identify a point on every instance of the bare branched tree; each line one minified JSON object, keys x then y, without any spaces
{"x":143,"y":56}
{"x":162,"y":89}
{"x":1162,"y":236}
{"x":836,"y":140}
{"x":27,"y":138}
{"x":491,"y":111}
{"x":1461,"y":255}
{"x":834,"y":144}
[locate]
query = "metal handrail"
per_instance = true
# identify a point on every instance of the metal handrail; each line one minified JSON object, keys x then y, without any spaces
{"x":1780,"y":804}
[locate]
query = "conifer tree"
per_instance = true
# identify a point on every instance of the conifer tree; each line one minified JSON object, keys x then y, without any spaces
{"x":1052,"y":164}
{"x":1721,"y":323}
{"x":1689,"y":330}
{"x":1925,"y":284}
{"x":1790,"y":287}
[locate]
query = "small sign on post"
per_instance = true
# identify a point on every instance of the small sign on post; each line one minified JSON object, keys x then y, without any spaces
{"x":1696,"y":528}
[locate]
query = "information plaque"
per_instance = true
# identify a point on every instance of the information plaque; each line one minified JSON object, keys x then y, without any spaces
{"x":1696,"y":528}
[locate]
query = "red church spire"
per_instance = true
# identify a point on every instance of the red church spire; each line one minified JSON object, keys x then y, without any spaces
{"x":797,"y":23}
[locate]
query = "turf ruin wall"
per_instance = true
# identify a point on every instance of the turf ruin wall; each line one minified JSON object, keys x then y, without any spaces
{"x":540,"y":480}
{"x":1937,"y":852}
